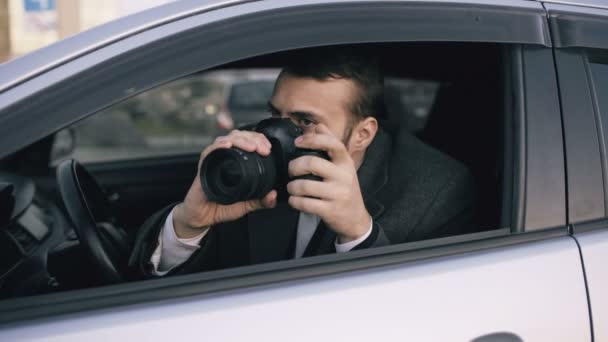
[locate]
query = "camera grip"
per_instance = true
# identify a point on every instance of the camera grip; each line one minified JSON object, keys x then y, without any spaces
{"x":306,"y":152}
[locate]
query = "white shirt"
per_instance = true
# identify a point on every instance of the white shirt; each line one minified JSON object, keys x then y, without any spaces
{"x":173,"y":251}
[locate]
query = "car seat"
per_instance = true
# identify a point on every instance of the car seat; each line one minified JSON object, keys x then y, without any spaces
{"x":465,"y":123}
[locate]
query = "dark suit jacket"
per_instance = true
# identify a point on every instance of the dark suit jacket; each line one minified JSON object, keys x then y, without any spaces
{"x":412,"y":191}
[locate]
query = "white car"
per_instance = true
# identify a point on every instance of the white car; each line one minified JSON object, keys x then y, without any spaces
{"x":521,"y":99}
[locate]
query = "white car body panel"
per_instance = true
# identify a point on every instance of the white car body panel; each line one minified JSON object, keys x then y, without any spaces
{"x":594,"y":248}
{"x":535,"y":291}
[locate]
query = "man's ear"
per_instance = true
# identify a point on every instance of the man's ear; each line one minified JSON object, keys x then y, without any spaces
{"x":363,"y":134}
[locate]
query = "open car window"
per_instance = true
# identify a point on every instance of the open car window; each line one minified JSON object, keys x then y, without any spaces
{"x":181,"y":117}
{"x":184,"y":116}
{"x":143,"y":151}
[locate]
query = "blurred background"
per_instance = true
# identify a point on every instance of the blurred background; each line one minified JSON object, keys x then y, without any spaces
{"x":26,"y":25}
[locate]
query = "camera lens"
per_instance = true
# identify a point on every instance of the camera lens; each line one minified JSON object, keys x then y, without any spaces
{"x":233,"y":175}
{"x":229,"y":174}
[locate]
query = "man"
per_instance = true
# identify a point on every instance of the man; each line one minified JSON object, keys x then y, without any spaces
{"x":375,"y":190}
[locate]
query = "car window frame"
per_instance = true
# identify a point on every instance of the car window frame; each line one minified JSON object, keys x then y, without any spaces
{"x":577,"y":32}
{"x":532,"y":213}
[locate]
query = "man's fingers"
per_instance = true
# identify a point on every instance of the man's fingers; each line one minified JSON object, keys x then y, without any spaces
{"x":323,"y":129}
{"x":246,"y":141}
{"x":308,"y":205}
{"x":312,"y":165}
{"x":270,"y":200}
{"x":217,"y":144}
{"x":325,"y":142}
{"x":310,"y":188}
{"x":250,"y":141}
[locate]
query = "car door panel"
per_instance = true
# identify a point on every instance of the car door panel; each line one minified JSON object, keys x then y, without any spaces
{"x":594,"y":252}
{"x":519,"y":289}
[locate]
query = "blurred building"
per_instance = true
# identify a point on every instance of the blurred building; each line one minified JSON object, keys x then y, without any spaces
{"x":27,"y":25}
{"x":5,"y":42}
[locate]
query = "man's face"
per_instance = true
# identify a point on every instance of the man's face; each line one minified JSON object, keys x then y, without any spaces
{"x":307,"y":101}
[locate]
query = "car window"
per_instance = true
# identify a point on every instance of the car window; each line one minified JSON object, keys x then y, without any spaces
{"x":177,"y":118}
{"x":250,"y":95}
{"x":599,"y":70}
{"x":410,"y":101}
{"x":184,"y":116}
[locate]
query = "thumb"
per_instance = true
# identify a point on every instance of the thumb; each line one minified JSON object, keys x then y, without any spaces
{"x":251,"y":205}
{"x":268,"y":201}
{"x":238,"y":210}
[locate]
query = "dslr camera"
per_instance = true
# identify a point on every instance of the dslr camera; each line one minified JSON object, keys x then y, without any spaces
{"x":230,"y":175}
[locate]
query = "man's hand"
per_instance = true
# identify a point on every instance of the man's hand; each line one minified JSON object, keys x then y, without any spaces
{"x":337,"y":199}
{"x":197,"y":212}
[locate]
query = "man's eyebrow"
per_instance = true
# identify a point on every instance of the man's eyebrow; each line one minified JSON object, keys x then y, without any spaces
{"x":305,"y":115}
{"x":298,"y":114}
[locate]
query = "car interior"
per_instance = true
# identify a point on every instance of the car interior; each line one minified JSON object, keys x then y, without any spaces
{"x":41,"y":251}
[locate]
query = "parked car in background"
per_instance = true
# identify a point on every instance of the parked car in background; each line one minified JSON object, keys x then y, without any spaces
{"x":246,"y":98}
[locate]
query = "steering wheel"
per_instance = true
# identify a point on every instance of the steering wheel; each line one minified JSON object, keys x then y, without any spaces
{"x":89,"y":211}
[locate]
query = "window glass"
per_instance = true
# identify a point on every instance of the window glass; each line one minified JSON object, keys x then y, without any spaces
{"x":410,"y":101}
{"x":177,"y":118}
{"x":600,"y":78}
{"x":184,"y":116}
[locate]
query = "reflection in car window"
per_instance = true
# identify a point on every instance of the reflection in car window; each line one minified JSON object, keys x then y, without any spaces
{"x":251,"y":95}
{"x":409,"y":101}
{"x":184,"y":116}
{"x":600,"y":78}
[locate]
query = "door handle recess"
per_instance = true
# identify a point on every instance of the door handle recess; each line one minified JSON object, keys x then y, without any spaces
{"x":498,"y":337}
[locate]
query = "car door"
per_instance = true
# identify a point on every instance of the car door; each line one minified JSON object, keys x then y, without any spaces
{"x":582,"y":65}
{"x":523,"y":281}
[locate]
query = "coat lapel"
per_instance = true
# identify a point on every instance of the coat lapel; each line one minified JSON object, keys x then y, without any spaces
{"x":272,"y":233}
{"x":373,"y":173}
{"x":322,"y":241}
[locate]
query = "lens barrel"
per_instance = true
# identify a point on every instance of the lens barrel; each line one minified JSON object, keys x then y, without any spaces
{"x":230,"y":175}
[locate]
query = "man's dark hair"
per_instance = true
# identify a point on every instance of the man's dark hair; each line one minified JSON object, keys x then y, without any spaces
{"x":344,"y":62}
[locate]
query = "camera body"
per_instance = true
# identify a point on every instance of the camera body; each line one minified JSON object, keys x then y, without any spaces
{"x":231,"y":175}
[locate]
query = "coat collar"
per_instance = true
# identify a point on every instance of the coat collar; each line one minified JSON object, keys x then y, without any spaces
{"x":373,"y":173}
